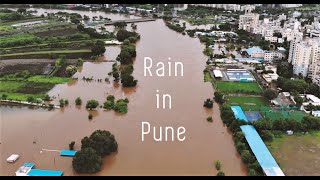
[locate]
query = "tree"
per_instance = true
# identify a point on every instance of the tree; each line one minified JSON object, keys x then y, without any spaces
{"x":110,"y":98}
{"x":80,"y":62}
{"x":46,"y":97}
{"x":124,"y":34}
{"x":298,"y":100}
{"x":270,"y":94}
{"x":208,"y":103}
{"x":98,"y":49}
{"x":128,"y":80}
{"x":90,"y":116}
{"x":71,"y":70}
{"x":108,"y":105}
{"x":22,"y":10}
{"x":78,"y":101}
{"x":247,"y":157}
{"x":31,"y":99}
{"x":218,"y":97}
{"x":75,"y":21}
{"x":62,"y":103}
{"x":103,"y":142}
{"x":220,"y":173}
{"x":209,"y":119}
{"x":4,"y":96}
{"x":71,"y":145}
{"x":252,"y":172}
{"x":124,"y":57}
{"x":218,"y":165}
{"x":266,"y":135}
{"x":87,"y":161}
{"x":116,"y":76}
{"x":92,"y":104}
{"x":120,"y":24}
{"x":240,"y":147}
{"x":121,"y":106}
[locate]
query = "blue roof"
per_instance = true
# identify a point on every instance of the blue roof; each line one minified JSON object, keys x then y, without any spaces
{"x":253,"y":49}
{"x":28,"y":164}
{"x":67,"y":153}
{"x":260,"y":150}
{"x":238,"y":113}
{"x":40,"y":172}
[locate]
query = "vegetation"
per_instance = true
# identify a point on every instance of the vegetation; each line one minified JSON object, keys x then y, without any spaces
{"x":90,"y":116}
{"x":176,"y":27}
{"x":270,"y":94}
{"x":99,"y":48}
{"x":22,"y":85}
{"x":218,"y":165}
{"x":92,"y":104}
{"x":220,"y":173}
{"x":208,"y":103}
{"x":238,"y":87}
{"x":71,"y":145}
{"x":124,"y":34}
{"x":120,"y":105}
{"x":87,"y":161}
{"x":78,"y":101}
{"x":209,"y":119}
{"x":219,"y":97}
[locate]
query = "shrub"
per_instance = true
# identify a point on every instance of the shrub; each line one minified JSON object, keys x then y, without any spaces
{"x":71,"y":145}
{"x":218,"y":165}
{"x":220,"y":173}
{"x":78,"y":101}
{"x":209,"y":119}
{"x":90,"y":116}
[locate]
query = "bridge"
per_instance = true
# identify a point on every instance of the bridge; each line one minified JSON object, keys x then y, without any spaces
{"x":130,"y":21}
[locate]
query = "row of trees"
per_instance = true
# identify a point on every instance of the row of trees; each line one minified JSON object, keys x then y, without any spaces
{"x":126,"y":56}
{"x":176,"y":27}
{"x":89,"y":159}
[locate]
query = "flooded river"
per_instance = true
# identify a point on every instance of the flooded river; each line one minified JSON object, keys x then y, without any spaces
{"x":25,"y":131}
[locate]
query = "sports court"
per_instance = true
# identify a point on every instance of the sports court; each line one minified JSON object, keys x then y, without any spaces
{"x":239,"y":75}
{"x":252,"y":115}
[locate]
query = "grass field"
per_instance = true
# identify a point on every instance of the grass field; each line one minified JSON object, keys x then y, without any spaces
{"x":238,"y":87}
{"x":296,"y":115}
{"x":49,"y":79}
{"x":246,"y":101}
{"x":16,"y":38}
{"x":48,"y":52}
{"x":22,"y":96}
{"x":297,"y":154}
{"x":11,"y":86}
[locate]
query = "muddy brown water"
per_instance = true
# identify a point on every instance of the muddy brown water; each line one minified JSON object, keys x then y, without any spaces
{"x":26,"y":132}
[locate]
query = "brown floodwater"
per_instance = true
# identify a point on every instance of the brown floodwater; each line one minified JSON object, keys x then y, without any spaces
{"x":27,"y":131}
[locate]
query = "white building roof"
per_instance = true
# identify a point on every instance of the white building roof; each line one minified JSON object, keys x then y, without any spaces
{"x":217,"y":73}
{"x":313,"y":98}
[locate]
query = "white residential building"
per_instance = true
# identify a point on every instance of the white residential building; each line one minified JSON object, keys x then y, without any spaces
{"x":248,"y":21}
{"x":305,"y":57}
{"x":180,"y":7}
{"x":272,"y":55}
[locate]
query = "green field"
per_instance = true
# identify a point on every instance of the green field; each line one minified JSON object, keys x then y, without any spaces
{"x":296,"y":115}
{"x":238,"y":87}
{"x":246,"y":101}
{"x":11,"y":86}
{"x":16,"y":38}
{"x":21,"y":96}
{"x":49,"y":79}
{"x":48,"y":52}
{"x":35,"y":86}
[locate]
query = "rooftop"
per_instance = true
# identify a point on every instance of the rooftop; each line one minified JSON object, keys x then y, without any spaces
{"x":253,"y":49}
